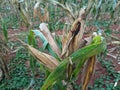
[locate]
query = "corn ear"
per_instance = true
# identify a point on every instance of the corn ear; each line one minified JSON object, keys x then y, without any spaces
{"x":48,"y":61}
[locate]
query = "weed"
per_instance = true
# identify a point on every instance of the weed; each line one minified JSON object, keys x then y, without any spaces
{"x":107,"y":81}
{"x":20,"y":74}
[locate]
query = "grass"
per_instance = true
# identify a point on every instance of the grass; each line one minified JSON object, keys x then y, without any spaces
{"x":20,"y":75}
{"x":107,"y":81}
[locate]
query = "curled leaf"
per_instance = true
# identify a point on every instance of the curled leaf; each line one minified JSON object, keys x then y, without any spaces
{"x":72,"y":41}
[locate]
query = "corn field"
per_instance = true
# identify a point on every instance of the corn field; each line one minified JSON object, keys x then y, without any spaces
{"x":59,"y":44}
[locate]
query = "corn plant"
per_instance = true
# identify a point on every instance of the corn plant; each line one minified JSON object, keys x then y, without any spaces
{"x":71,"y":58}
{"x":4,"y":29}
{"x":31,"y":41}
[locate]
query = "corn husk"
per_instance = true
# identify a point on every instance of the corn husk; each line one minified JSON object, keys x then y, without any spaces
{"x":48,"y":61}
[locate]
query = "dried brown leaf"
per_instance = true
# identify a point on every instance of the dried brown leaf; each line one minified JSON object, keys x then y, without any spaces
{"x":48,"y":61}
{"x":25,"y":17}
{"x":35,"y":9}
{"x":88,"y":40}
{"x":113,"y":56}
{"x":74,"y":38}
{"x":44,"y":29}
{"x":45,"y":16}
{"x":88,"y":72}
{"x":114,"y":42}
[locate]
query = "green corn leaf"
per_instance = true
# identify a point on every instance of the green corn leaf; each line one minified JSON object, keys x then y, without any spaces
{"x":58,"y":41}
{"x":32,"y":41}
{"x":45,"y":43}
{"x":56,"y":75}
{"x":4,"y":27}
{"x":96,"y":48}
{"x":42,"y":37}
{"x":79,"y":56}
{"x":31,"y":38}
